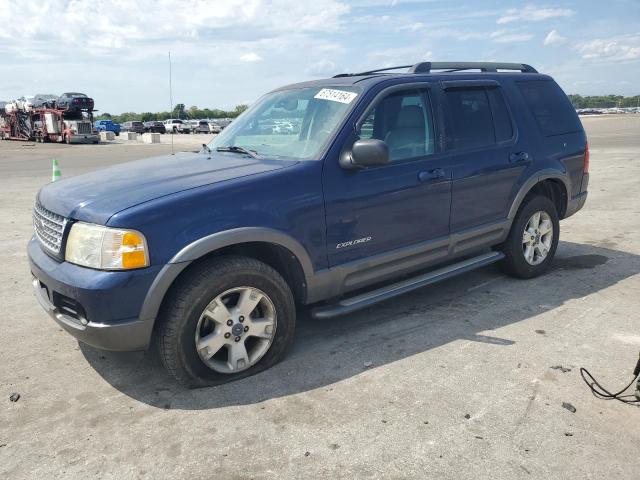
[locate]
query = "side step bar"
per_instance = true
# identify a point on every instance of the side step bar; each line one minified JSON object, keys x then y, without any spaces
{"x":366,"y":299}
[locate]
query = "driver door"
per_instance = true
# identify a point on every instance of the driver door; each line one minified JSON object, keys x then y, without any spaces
{"x":404,"y":205}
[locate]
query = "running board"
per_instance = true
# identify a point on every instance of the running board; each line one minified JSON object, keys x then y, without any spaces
{"x":366,"y":299}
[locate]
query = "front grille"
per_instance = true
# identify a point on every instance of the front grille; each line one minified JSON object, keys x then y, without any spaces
{"x":49,"y":228}
{"x":84,"y":128}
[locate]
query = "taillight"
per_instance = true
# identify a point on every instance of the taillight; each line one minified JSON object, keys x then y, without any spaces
{"x":585,"y":167}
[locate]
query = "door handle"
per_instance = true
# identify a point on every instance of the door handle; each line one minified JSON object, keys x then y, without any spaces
{"x":519,"y":157}
{"x":430,"y":175}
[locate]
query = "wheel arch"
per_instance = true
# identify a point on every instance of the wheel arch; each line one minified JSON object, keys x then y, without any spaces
{"x":550,"y":184}
{"x":283,"y":253}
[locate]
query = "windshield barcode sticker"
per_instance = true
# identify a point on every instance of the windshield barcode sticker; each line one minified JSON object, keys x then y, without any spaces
{"x":336,"y":95}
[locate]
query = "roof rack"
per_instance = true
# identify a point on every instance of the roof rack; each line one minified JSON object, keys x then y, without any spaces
{"x":428,"y":67}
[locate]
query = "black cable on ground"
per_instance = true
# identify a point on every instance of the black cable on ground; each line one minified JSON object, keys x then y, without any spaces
{"x":601,"y":392}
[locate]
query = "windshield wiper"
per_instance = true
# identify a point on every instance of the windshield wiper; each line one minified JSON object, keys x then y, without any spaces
{"x":237,"y":149}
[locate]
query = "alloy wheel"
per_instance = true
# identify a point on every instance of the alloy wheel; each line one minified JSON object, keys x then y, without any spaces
{"x":236,"y":329}
{"x":537,"y":238}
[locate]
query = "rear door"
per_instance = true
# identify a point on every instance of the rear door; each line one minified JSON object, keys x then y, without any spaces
{"x":487,"y":155}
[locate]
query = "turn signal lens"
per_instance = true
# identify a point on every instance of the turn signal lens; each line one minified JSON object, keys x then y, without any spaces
{"x":133,"y":251}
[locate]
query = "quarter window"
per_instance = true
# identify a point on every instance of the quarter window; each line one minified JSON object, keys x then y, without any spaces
{"x":403,"y":120}
{"x":550,"y":107}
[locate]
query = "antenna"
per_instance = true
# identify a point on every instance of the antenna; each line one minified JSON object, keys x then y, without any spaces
{"x":171,"y":101}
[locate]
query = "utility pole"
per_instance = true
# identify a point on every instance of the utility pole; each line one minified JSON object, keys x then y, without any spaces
{"x":171,"y":101}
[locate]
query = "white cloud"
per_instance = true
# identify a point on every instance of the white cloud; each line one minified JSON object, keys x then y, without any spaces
{"x":99,"y":27}
{"x":506,"y":35}
{"x":621,"y":48}
{"x":250,"y":57}
{"x":322,"y":68}
{"x":503,"y":35}
{"x":412,"y":27}
{"x":554,"y":38}
{"x":531,"y":13}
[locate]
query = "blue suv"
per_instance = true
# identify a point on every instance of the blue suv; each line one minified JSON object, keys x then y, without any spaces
{"x":385,"y":182}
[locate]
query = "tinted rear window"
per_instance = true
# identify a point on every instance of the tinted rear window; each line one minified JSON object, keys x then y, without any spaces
{"x":550,"y":107}
{"x":472,"y":122}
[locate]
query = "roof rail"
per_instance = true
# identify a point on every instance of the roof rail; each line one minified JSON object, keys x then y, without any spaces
{"x":427,"y":67}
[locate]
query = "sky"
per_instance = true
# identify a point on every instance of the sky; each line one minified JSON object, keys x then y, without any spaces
{"x":227,"y":52}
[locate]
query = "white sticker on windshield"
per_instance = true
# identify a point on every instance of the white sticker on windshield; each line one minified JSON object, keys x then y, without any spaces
{"x":336,"y":95}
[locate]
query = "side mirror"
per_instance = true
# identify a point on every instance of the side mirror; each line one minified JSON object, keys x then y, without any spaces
{"x":365,"y":153}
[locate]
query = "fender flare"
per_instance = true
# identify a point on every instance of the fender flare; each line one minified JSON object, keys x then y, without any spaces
{"x":529,"y":184}
{"x":208,"y":244}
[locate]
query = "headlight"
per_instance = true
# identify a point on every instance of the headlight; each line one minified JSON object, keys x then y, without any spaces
{"x":106,"y":248}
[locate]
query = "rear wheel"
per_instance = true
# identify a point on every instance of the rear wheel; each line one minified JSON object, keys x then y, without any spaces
{"x":533,"y":239}
{"x":229,"y":318}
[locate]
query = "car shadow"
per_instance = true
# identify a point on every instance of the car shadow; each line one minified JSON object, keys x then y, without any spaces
{"x":324,"y":352}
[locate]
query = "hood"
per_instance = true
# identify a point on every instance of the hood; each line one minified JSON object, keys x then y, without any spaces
{"x":95,"y":197}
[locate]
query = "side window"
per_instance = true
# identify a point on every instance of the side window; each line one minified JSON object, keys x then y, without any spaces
{"x":501,"y":117}
{"x":471,"y":119}
{"x":550,"y":106}
{"x":403,"y":120}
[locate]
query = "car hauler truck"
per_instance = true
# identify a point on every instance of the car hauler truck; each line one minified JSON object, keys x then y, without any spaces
{"x":49,"y":125}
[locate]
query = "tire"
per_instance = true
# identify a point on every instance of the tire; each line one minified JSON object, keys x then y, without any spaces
{"x":515,"y":249}
{"x":183,"y":319}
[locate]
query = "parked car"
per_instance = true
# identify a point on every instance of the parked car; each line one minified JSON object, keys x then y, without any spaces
{"x":154,"y":127}
{"x":74,"y":101}
{"x":282,"y":128}
{"x":396,"y":181}
{"x":223,"y":122}
{"x":25,"y":103}
{"x":214,"y":127}
{"x":107,"y":126}
{"x":10,"y":107}
{"x":134,"y":126}
{"x":175,"y":125}
{"x":44,"y":100}
{"x":202,"y":126}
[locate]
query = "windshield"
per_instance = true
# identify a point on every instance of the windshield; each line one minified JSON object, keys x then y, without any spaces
{"x":294,"y":124}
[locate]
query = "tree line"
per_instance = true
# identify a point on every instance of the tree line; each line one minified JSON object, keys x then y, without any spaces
{"x":179,"y":111}
{"x":604,"y":101}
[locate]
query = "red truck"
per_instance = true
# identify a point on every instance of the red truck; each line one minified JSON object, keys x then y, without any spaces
{"x":49,"y":125}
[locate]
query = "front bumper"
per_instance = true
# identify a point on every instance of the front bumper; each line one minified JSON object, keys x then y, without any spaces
{"x":84,"y":138}
{"x":97,"y":307}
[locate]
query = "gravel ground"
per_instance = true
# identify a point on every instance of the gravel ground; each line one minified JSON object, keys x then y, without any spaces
{"x":453,"y":381}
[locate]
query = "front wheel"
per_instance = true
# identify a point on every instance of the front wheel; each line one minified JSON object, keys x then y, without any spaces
{"x":228,"y":318}
{"x":533,"y":239}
